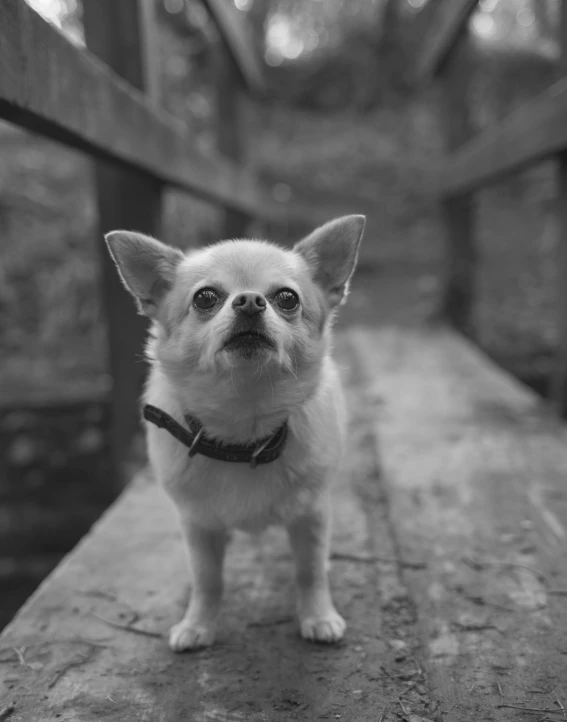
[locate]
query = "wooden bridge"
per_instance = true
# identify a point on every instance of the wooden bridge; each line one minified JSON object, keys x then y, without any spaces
{"x":448,"y":553}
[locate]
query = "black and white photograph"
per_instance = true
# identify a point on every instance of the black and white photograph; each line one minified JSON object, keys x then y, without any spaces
{"x":283,"y":360}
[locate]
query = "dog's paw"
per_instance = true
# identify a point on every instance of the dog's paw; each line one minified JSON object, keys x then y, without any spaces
{"x":186,"y":636}
{"x":327,"y":628}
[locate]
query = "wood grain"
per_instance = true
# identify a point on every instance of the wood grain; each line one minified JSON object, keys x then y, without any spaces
{"x":475,"y":471}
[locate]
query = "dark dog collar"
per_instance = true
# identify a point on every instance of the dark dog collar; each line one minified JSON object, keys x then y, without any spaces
{"x":262,"y":451}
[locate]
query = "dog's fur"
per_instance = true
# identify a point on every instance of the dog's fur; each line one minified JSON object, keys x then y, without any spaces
{"x":242,"y":393}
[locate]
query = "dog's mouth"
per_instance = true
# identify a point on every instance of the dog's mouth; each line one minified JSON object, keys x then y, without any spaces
{"x":249,"y":342}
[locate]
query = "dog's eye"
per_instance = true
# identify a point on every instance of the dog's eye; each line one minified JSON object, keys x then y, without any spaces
{"x":205,"y":299}
{"x":287,"y":300}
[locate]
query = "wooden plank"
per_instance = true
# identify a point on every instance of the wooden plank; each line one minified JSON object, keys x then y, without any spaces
{"x":446,"y":25}
{"x":238,"y":37}
{"x":559,"y":379}
{"x":230,"y":129}
{"x":533,"y":132}
{"x":131,"y":570}
{"x":116,"y":33}
{"x":457,"y":294}
{"x":51,"y":87}
{"x":475,"y":470}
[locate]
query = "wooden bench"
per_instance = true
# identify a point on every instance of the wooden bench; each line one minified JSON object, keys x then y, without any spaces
{"x":448,"y":562}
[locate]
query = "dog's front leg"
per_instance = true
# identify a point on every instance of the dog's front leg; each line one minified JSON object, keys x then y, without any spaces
{"x":309,"y":538}
{"x":206,"y":551}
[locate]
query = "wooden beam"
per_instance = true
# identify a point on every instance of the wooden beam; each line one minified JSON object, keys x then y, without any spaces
{"x":457,"y":299}
{"x":117,"y":33}
{"x":237,"y":35}
{"x":51,"y":87}
{"x":533,"y":132}
{"x":448,"y":20}
{"x":559,"y":379}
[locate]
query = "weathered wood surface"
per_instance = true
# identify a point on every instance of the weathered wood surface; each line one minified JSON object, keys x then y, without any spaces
{"x":237,"y":34}
{"x":475,"y":471}
{"x":446,"y":24}
{"x":119,"y":35}
{"x":533,"y":132}
{"x":61,"y":658}
{"x":51,"y":87}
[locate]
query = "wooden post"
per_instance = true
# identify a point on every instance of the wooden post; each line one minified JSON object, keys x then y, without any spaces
{"x":458,"y":212}
{"x":150,"y":51}
{"x":559,"y":378}
{"x":114,"y":31}
{"x":230,"y":136}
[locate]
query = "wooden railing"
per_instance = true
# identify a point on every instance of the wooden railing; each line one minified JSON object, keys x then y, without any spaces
{"x":532,"y":133}
{"x":105,"y":102}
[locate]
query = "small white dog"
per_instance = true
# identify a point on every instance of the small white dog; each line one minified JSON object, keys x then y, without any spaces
{"x":241,"y":373}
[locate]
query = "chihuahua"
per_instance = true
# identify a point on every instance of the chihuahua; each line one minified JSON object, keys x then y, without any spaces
{"x":244,"y":408}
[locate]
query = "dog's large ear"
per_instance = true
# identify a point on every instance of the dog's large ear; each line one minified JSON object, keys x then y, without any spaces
{"x":146,"y":266}
{"x":331,"y":252}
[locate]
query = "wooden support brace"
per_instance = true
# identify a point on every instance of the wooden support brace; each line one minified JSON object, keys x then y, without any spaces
{"x":458,"y":212}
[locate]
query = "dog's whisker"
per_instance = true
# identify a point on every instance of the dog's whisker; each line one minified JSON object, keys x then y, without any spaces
{"x":294,"y":374}
{"x":294,"y":359}
{"x":271,"y":382}
{"x":232,"y":382}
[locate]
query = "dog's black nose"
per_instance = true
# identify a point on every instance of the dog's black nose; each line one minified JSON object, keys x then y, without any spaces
{"x":249,"y":303}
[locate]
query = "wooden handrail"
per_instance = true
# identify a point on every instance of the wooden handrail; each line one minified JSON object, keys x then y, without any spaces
{"x":51,"y":87}
{"x":534,"y":131}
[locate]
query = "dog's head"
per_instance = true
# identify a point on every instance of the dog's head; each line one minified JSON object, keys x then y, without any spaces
{"x":237,"y":304}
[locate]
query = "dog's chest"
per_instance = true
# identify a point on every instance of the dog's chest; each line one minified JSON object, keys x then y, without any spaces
{"x":218,"y":493}
{"x":234,"y":495}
